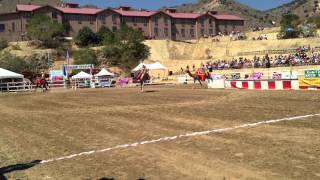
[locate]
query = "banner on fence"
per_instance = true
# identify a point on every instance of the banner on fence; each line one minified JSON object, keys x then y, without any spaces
{"x":309,"y":82}
{"x":56,"y":75}
{"x":284,"y":75}
{"x":254,"y":76}
{"x":82,"y":66}
{"x":312,"y":73}
{"x":235,"y":76}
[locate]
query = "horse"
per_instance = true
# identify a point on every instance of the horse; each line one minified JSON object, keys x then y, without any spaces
{"x":199,"y":76}
{"x":142,"y":76}
{"x":41,"y":83}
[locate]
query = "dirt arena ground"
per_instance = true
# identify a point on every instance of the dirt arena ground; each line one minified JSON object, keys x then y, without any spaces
{"x":41,"y":126}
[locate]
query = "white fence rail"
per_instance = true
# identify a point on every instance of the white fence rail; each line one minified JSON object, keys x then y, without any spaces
{"x":16,"y":87}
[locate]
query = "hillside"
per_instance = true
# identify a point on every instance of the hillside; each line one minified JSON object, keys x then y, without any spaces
{"x":10,"y":5}
{"x":253,"y":17}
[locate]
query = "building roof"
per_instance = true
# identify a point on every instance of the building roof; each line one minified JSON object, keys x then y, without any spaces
{"x":90,"y":11}
{"x":227,"y":17}
{"x":135,"y":13}
{"x":184,"y":15}
{"x":24,"y":7}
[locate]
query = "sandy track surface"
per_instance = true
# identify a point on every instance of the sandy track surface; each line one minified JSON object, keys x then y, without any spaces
{"x":49,"y":125}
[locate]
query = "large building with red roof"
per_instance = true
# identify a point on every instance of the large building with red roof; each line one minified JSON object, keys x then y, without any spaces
{"x":168,"y":24}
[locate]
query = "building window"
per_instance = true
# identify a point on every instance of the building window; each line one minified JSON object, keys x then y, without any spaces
{"x":183,"y":32}
{"x":79,"y":19}
{"x":166,"y":21}
{"x":114,"y":28}
{"x":114,"y":19}
{"x":211,"y":31}
{"x":13,"y":27}
{"x":103,"y":19}
{"x":155,"y":19}
{"x":92,"y":19}
{"x":166,"y":32}
{"x":192,"y":32}
{"x":145,"y":21}
{"x":202,"y":32}
{"x":183,"y":22}
{"x":156,"y":31}
{"x":202,"y":22}
{"x":54,"y":15}
{"x":2,"y":27}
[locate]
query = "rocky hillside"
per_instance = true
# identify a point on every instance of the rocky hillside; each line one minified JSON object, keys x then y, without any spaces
{"x":253,"y":17}
{"x":10,"y":5}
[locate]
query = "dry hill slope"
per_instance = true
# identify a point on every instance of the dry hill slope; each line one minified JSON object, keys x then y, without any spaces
{"x":253,"y":17}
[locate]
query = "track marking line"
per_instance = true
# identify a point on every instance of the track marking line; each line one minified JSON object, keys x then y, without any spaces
{"x":171,"y":138}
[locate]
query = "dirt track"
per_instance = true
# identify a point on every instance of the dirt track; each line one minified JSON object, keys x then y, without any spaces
{"x":43,"y":126}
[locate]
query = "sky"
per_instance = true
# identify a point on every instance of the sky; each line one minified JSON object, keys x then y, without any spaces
{"x":156,"y":4}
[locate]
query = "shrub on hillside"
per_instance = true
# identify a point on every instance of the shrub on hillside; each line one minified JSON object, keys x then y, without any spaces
{"x":3,"y":44}
{"x":13,"y":63}
{"x":127,"y":49}
{"x":85,"y":56}
{"x":86,"y":37}
{"x":43,"y":28}
{"x":105,"y":36}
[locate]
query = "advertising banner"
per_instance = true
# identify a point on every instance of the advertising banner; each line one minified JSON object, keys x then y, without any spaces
{"x":56,"y":75}
{"x":284,"y":75}
{"x":309,"y":82}
{"x":312,"y":74}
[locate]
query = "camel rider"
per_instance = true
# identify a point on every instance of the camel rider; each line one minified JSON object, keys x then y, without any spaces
{"x":44,"y":81}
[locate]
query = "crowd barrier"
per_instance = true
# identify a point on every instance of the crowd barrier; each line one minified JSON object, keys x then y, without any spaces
{"x":259,"y":85}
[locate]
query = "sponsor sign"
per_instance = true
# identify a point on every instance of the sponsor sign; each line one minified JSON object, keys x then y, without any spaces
{"x":56,"y":75}
{"x":312,"y":74}
{"x":309,"y":82}
{"x":82,"y":66}
{"x":235,"y":76}
{"x":284,"y":75}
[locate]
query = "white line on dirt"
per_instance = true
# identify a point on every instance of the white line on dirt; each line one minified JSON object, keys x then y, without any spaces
{"x":124,"y":146}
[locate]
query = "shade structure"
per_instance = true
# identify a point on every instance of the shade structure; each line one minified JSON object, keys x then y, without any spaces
{"x":154,"y":66}
{"x":6,"y":74}
{"x":139,"y":67}
{"x":104,"y":72}
{"x":82,"y":75}
{"x":157,"y":66}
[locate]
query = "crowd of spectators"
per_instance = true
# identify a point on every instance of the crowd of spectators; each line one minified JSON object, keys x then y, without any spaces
{"x":303,"y":56}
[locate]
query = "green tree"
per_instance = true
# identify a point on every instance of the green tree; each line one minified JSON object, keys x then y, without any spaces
{"x":314,"y":21}
{"x":86,"y":37}
{"x":13,"y":63}
{"x":85,"y":56}
{"x":290,"y":26}
{"x":3,"y":44}
{"x":105,"y":36}
{"x":127,"y":49}
{"x":41,"y":27}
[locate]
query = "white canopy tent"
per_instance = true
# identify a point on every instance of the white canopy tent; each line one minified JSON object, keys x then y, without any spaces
{"x":82,"y":75}
{"x":157,"y":66}
{"x":104,"y":72}
{"x":154,"y":66}
{"x":6,"y":74}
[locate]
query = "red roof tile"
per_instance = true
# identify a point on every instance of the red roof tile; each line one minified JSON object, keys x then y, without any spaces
{"x":23,"y":7}
{"x":185,"y":15}
{"x":90,"y":11}
{"x":135,"y":13}
{"x":227,"y":17}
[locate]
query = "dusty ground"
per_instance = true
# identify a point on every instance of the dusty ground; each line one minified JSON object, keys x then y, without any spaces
{"x":43,"y":126}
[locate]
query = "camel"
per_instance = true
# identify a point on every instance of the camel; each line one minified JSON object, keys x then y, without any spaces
{"x":199,"y":76}
{"x":142,"y":76}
